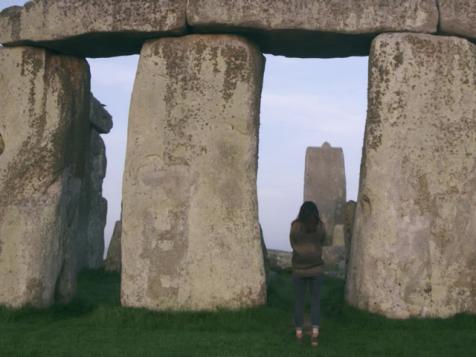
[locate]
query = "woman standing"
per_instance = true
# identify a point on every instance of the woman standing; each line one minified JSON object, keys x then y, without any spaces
{"x":308,"y":235}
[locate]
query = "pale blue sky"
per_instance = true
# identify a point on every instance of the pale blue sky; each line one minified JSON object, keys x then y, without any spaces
{"x":304,"y":103}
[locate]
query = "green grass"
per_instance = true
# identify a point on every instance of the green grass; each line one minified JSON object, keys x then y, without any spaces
{"x":95,"y":324}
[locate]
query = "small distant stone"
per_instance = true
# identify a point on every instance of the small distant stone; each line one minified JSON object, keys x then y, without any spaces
{"x":279,"y":260}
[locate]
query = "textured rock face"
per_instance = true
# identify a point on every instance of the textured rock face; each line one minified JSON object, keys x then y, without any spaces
{"x":313,"y":28}
{"x":264,"y":249}
{"x":93,"y":207}
{"x":113,"y":260}
{"x":190,"y":236}
{"x":101,"y":120}
{"x":97,"y":212}
{"x":324,"y":184}
{"x":348,"y":227}
{"x":458,"y":17}
{"x":92,"y":28}
{"x":334,"y":260}
{"x":2,"y":144}
{"x":44,"y":122}
{"x":413,"y":249}
{"x":338,"y":235}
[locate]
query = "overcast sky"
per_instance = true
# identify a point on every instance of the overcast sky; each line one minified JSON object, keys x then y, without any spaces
{"x":304,"y":103}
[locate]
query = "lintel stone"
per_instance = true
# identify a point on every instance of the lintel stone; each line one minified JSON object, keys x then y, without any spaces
{"x":296,"y":28}
{"x":92,"y":28}
{"x":458,"y":17}
{"x":313,"y":28}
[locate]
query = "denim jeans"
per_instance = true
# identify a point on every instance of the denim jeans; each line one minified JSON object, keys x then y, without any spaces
{"x":300,"y":287}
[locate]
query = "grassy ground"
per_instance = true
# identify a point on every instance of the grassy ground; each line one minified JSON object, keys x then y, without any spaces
{"x":96,"y":325}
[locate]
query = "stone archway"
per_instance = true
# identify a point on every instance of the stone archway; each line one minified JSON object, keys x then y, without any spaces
{"x":404,"y":228}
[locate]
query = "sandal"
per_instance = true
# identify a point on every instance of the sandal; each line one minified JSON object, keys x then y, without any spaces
{"x":315,"y":337}
{"x":299,"y":334}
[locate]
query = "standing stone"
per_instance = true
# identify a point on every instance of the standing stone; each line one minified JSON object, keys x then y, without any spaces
{"x":93,"y":206}
{"x":190,"y":238}
{"x":458,"y":17}
{"x":348,"y":227}
{"x":413,"y":249}
{"x":338,"y":235}
{"x":97,"y":211}
{"x":113,"y":260}
{"x":264,"y":250}
{"x":43,"y":122}
{"x":324,"y":184}
{"x":334,"y":260}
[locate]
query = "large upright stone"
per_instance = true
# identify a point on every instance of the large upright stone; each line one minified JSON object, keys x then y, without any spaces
{"x":413,"y":248}
{"x":93,"y":206}
{"x":324,"y":184}
{"x":92,"y":28}
{"x":458,"y":17}
{"x":313,"y":28}
{"x":190,"y":236}
{"x":44,"y":105}
{"x":97,"y":208}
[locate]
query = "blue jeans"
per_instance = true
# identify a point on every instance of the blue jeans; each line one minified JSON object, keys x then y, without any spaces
{"x":300,"y":287}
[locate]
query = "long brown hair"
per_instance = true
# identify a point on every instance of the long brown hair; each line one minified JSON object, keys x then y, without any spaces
{"x":309,"y":215}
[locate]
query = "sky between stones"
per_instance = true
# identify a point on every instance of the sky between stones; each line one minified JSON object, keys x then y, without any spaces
{"x":304,"y":103}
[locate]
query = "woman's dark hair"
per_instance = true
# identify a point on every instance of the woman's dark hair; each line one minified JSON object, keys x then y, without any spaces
{"x":308,"y":212}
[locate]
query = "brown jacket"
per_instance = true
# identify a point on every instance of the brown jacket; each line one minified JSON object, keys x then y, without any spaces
{"x":307,"y":249}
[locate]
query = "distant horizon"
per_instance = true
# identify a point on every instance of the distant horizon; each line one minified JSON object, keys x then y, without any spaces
{"x":305,"y":102}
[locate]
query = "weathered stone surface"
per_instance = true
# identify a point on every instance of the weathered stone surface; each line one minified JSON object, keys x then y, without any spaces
{"x":313,"y":28}
{"x":93,"y":207}
{"x":279,"y":260}
{"x":92,"y":28}
{"x":95,"y":234}
{"x":348,"y":227}
{"x":413,"y":249}
{"x":334,"y":260}
{"x":113,"y":259}
{"x":338,"y":237}
{"x":458,"y":17}
{"x":324,"y":184}
{"x":44,"y":122}
{"x":97,"y":160}
{"x":2,"y":144}
{"x":100,"y":117}
{"x":190,"y":236}
{"x":264,"y":249}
